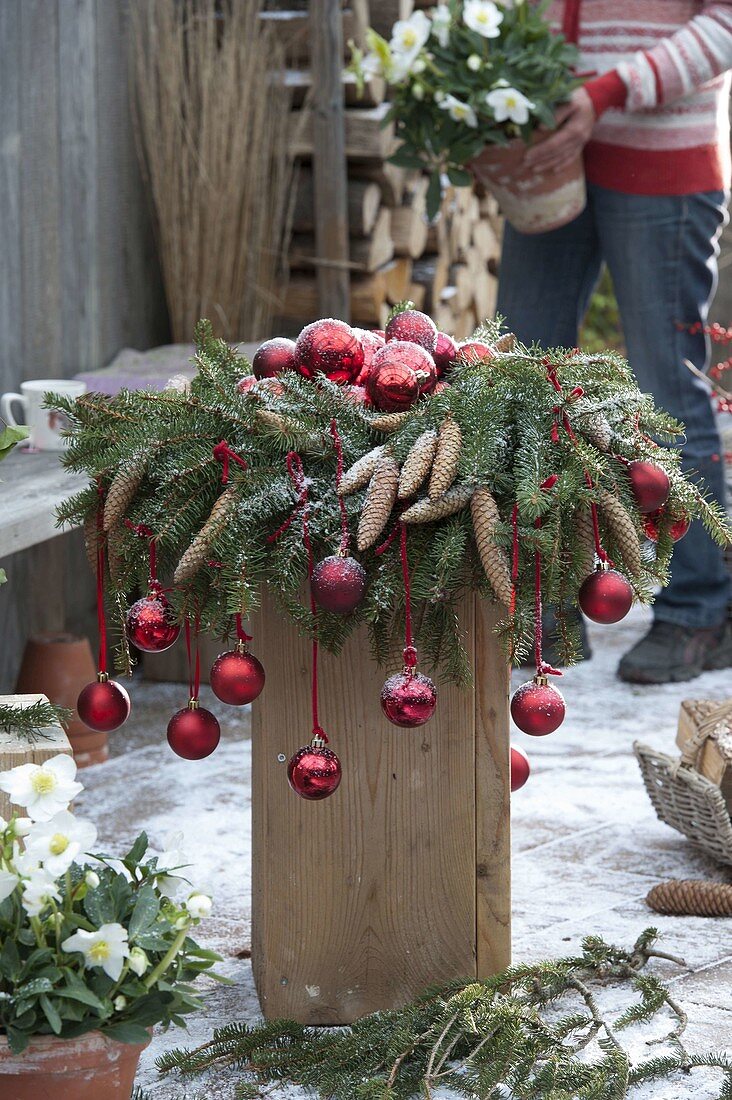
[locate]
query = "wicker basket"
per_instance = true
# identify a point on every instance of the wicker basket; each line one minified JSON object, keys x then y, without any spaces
{"x":687,"y":802}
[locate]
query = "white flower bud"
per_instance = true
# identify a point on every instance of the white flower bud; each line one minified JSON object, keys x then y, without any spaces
{"x":138,"y":961}
{"x":181,"y":922}
{"x":418,"y":91}
{"x":23,"y":826}
{"x":474,"y":63}
{"x":91,"y":878}
{"x":419,"y":65}
{"x":199,"y":906}
{"x":120,"y":1002}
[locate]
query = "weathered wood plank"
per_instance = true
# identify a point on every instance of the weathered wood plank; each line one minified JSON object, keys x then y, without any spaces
{"x":31,"y":489}
{"x":11,"y":310}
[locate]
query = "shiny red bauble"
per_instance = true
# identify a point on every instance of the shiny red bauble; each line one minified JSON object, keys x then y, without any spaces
{"x":314,"y":772}
{"x":654,"y":522}
{"x":650,"y":485}
{"x":193,"y":732}
{"x":398,"y":373}
{"x":330,"y":347}
{"x":151,"y":624}
{"x":237,"y":677}
{"x":413,"y":326}
{"x":338,"y":584}
{"x":520,"y":768}
{"x":371,"y":342}
{"x":606,"y":596}
{"x":357,"y":395}
{"x":475,"y":351}
{"x":537,"y":707}
{"x":103,"y":705}
{"x":409,"y":699}
{"x":273,"y":357}
{"x":445,"y":353}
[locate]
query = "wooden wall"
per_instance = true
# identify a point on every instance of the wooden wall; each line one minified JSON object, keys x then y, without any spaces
{"x":78,"y":278}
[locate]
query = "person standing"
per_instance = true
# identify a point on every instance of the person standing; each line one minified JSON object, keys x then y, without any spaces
{"x":652,"y":120}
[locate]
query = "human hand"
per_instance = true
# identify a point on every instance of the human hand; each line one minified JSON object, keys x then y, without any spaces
{"x":575,"y":121}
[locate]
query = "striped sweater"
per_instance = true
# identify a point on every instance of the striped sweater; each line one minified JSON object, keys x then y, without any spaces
{"x":658,"y":75}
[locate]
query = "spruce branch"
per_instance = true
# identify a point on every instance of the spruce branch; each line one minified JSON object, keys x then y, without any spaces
{"x":30,"y":723}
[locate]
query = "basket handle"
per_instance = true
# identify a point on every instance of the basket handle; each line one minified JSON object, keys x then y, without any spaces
{"x":711,"y":726}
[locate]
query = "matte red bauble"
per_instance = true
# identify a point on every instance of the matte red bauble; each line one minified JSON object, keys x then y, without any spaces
{"x":314,"y":772}
{"x":398,"y":372}
{"x":445,"y":353}
{"x":474,"y":351}
{"x":247,"y":383}
{"x":654,"y":521}
{"x":237,"y":677}
{"x":338,"y":584}
{"x":193,"y":732}
{"x":650,"y":484}
{"x":151,"y":624}
{"x":537,"y":707}
{"x":408,"y":699}
{"x":520,"y":768}
{"x":413,"y":326}
{"x":332,"y":348}
{"x":357,"y":395}
{"x":103,"y":705}
{"x":371,"y":342}
{"x":606,"y":596}
{"x":273,"y":357}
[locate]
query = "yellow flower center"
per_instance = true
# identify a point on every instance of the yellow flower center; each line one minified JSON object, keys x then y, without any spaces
{"x":99,"y":951}
{"x":482,"y":17}
{"x":409,"y":38}
{"x":59,"y":843}
{"x":43,"y":782}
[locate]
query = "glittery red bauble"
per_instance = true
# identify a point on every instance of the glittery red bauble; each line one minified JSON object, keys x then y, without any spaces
{"x":247,"y":383}
{"x":273,"y":357}
{"x":314,"y":773}
{"x":654,"y":521}
{"x":537,"y":708}
{"x":398,"y":372}
{"x":371,"y":342}
{"x":409,"y":699}
{"x":445,"y":353}
{"x":103,"y":706}
{"x":338,"y":584}
{"x":650,"y":485}
{"x":413,"y":326}
{"x":151,"y":624}
{"x":357,"y":395}
{"x":332,"y":348}
{"x":520,"y":768}
{"x":440,"y":387}
{"x":236,"y":677}
{"x":606,"y":596}
{"x":474,"y":351}
{"x":193,"y":733}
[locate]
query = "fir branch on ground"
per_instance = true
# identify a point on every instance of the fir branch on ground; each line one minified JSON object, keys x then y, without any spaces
{"x":31,"y":722}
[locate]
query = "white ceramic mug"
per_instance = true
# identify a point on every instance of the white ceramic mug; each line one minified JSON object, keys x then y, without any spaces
{"x":45,"y":425}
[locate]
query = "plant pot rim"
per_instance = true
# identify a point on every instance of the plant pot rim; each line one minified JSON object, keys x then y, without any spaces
{"x":86,"y":1049}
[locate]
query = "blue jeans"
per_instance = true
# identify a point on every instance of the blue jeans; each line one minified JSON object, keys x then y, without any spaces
{"x":662,"y":254}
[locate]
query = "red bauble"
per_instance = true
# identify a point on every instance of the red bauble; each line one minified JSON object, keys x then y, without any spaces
{"x":537,"y":707}
{"x":103,"y":705}
{"x":332,"y":348}
{"x":371,"y":342}
{"x":414,"y":327}
{"x":408,"y":699}
{"x":273,"y":357}
{"x":398,"y":373}
{"x":151,"y":624}
{"x":338,"y":583}
{"x":475,"y":351}
{"x":606,"y":596}
{"x":247,"y":383}
{"x":520,"y":768}
{"x":445,"y":353}
{"x":357,"y":395}
{"x":193,"y":732}
{"x":654,"y":521}
{"x":314,"y":772}
{"x":650,"y":484}
{"x":237,"y":677}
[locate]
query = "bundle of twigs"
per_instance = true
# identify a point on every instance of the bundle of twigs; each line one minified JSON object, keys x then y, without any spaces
{"x":212,"y":119}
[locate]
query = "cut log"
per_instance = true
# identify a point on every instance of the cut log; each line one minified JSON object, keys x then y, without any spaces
{"x":367,"y":138}
{"x":390,"y":178}
{"x":363,"y":205}
{"x":417,"y":294}
{"x":409,"y":230}
{"x":431,"y":272}
{"x":368,"y":299}
{"x":486,"y":241}
{"x":292,"y":29}
{"x":398,"y":279}
{"x":485,"y":293}
{"x":366,"y":255}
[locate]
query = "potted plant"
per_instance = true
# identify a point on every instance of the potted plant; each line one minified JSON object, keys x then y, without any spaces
{"x":473,"y":83}
{"x":94,"y":951}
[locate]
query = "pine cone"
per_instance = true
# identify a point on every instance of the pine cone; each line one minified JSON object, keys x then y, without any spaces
{"x":447,"y":457}
{"x":584,"y":537}
{"x":122,"y":489}
{"x":379,"y":502}
{"x":359,"y":474}
{"x":484,"y":511}
{"x":417,"y":464}
{"x":505,"y":343}
{"x":115,"y":561}
{"x":623,"y":531}
{"x":691,"y":898}
{"x":91,"y":540}
{"x":197,"y":553}
{"x":389,"y":422}
{"x":273,"y":420}
{"x":595,"y":427}
{"x":427,"y":509}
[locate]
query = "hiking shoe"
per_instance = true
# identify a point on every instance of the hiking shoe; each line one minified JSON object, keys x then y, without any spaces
{"x":551,"y":638}
{"x":670,"y":653}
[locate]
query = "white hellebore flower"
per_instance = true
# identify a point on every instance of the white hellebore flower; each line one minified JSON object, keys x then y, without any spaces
{"x":441,"y":20}
{"x":509,"y":103}
{"x":408,"y":36}
{"x":474,"y":62}
{"x":371,"y":66}
{"x":461,"y":112}
{"x":199,"y":906}
{"x":39,"y":891}
{"x":23,"y":826}
{"x":139,"y":961}
{"x":107,"y":947}
{"x":61,"y":841}
{"x":483,"y":16}
{"x":171,"y":860}
{"x":42,"y":788}
{"x":8,"y":882}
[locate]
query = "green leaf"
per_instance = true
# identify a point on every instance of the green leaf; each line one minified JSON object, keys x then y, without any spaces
{"x":79,"y":992}
{"x":127,"y":1033}
{"x":3,"y":576}
{"x":145,"y":912}
{"x":10,"y":965}
{"x":434,"y":195}
{"x":10,"y":437}
{"x":138,"y":849}
{"x":51,"y":1014}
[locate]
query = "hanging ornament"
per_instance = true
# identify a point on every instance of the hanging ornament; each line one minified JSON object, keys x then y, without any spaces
{"x":520,"y":768}
{"x":237,"y":677}
{"x":399,"y":372}
{"x":273,"y":357}
{"x":445,"y":353}
{"x":329,"y":347}
{"x":650,"y":484}
{"x":194,"y":732}
{"x":605,"y":596}
{"x":414,"y":327}
{"x":537,"y":707}
{"x":314,"y":771}
{"x":150,"y":622}
{"x":339,"y":583}
{"x":474,"y":351}
{"x":676,"y":526}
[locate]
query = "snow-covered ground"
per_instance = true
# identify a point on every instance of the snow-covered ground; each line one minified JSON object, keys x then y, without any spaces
{"x":587,"y":846}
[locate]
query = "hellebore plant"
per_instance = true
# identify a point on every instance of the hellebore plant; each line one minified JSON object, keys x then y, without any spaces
{"x":88,"y":942}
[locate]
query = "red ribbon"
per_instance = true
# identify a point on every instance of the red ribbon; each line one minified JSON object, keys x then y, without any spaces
{"x":542,"y":668}
{"x":240,"y":631}
{"x":144,"y":532}
{"x":194,"y":677}
{"x":101,"y":620}
{"x":410,"y":653}
{"x":345,"y":533}
{"x":223,"y":453}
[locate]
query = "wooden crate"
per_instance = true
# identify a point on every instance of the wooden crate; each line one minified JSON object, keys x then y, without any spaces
{"x":401,"y":878}
{"x":15,"y":751}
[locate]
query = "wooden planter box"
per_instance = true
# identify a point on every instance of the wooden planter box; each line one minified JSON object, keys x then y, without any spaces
{"x":402,"y":878}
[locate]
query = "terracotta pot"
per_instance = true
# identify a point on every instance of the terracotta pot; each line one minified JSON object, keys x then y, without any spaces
{"x":60,"y":665}
{"x":91,"y":1067}
{"x":531,"y":201}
